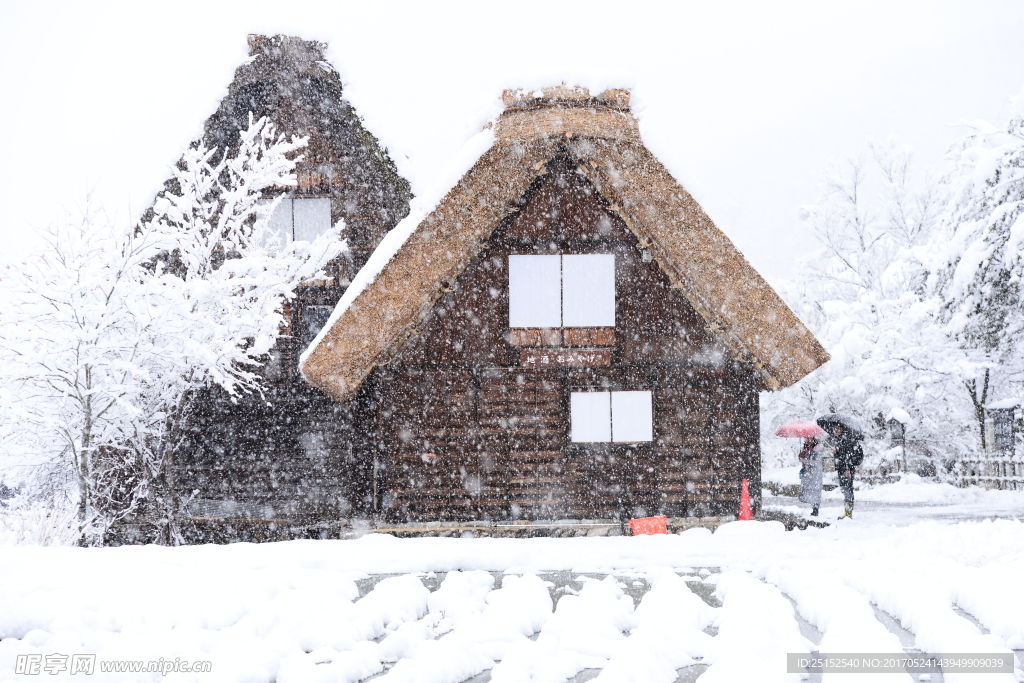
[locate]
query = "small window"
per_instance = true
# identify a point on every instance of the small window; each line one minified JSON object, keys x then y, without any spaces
{"x":572,"y":290}
{"x":611,"y":416}
{"x":591,"y":416}
{"x":301,"y":219}
{"x":588,"y":290}
{"x":313,"y":319}
{"x":632,"y":416}
{"x":535,"y":291}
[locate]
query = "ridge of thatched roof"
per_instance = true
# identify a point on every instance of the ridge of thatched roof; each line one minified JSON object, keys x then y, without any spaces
{"x":602,"y":137}
{"x":290,"y":81}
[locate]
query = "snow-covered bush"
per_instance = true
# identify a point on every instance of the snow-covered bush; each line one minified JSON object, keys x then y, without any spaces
{"x":25,"y":520}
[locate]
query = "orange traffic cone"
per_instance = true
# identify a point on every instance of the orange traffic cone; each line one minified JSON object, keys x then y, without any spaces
{"x":745,"y":513}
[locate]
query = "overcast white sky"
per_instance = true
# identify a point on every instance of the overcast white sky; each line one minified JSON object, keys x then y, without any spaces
{"x":743,"y":101}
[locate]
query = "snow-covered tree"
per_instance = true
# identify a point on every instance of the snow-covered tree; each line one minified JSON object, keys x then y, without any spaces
{"x":73,"y":348}
{"x":865,"y":295}
{"x":109,"y":333}
{"x":916,"y":291}
{"x":223,"y":285}
{"x":979,"y":260}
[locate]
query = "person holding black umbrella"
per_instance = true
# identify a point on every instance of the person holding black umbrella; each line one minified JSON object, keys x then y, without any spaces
{"x":845,"y":436}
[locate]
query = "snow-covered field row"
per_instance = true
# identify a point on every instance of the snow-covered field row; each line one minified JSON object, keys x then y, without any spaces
{"x":307,"y":611}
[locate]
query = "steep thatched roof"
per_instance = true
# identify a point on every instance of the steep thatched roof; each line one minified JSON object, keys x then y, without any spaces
{"x":289,"y":81}
{"x":602,"y":137}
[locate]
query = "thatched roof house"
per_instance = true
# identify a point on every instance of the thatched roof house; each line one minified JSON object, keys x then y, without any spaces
{"x":566,"y":269}
{"x":602,"y":139}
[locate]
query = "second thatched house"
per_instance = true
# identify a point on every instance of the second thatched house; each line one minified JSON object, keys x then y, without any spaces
{"x":282,"y":459}
{"x":567,"y":335}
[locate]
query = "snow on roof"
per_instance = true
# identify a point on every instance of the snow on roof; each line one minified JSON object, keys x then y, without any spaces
{"x":1005,"y":404}
{"x":899,"y":415}
{"x":419,"y":207}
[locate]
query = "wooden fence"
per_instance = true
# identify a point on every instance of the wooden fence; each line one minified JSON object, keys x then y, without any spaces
{"x":993,"y":472}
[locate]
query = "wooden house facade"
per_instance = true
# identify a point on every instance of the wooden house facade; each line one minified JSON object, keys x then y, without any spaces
{"x":566,"y":336}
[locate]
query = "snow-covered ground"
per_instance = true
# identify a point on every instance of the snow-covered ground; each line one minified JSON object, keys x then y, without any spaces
{"x":657,"y":608}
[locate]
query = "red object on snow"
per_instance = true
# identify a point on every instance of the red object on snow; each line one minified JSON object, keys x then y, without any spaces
{"x":649,"y":525}
{"x":745,"y":513}
{"x":800,"y":428}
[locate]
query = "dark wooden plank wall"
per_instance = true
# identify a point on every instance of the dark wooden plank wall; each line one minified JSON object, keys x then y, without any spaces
{"x":464,"y":432}
{"x":494,"y":444}
{"x":707,"y":436}
{"x":293,"y":450}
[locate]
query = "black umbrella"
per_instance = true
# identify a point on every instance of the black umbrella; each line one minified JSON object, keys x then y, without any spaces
{"x":850,"y":425}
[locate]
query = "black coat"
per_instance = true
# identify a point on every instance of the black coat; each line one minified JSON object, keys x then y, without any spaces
{"x":848,"y":455}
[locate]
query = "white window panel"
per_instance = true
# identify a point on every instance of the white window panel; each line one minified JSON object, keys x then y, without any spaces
{"x":534,"y":291}
{"x":280,"y":225}
{"x":590,"y":413}
{"x":632,"y":416}
{"x":312,"y":217}
{"x":588,"y":290}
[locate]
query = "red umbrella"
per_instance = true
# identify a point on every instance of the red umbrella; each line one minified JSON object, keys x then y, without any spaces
{"x":800,"y":428}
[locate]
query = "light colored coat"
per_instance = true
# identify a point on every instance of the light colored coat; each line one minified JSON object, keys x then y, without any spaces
{"x":810,"y":482}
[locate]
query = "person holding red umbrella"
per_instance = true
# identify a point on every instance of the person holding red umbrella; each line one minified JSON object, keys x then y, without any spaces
{"x":810,"y":459}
